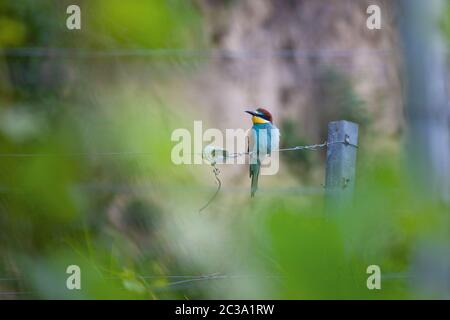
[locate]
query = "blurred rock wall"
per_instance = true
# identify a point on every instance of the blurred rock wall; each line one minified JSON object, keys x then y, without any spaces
{"x":295,"y":57}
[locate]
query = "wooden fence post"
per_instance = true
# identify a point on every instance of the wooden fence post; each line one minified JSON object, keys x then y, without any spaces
{"x":341,"y":161}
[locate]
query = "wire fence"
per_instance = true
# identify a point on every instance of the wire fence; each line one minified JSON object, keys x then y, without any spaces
{"x":40,"y":52}
{"x":178,"y":282}
{"x":146,"y":154}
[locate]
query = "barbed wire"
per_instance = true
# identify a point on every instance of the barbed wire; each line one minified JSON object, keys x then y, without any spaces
{"x":70,"y":155}
{"x":193,"y":280}
{"x":213,"y":163}
{"x":307,"y":147}
{"x":185,"y":280}
{"x":216,"y":172}
{"x":296,"y":148}
{"x":136,"y":153}
{"x":239,"y":154}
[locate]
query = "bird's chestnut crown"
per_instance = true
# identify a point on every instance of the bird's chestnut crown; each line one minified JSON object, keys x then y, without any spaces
{"x":261,"y":115}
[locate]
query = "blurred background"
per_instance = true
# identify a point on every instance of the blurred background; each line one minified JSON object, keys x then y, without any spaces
{"x":86,"y":178}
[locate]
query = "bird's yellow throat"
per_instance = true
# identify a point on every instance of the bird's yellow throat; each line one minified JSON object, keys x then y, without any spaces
{"x":256,"y":119}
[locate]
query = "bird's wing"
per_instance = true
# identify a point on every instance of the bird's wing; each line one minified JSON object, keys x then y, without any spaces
{"x":250,"y":139}
{"x":275,"y":142}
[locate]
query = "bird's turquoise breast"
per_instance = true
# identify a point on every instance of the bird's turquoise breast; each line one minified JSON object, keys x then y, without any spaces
{"x":262,"y":134}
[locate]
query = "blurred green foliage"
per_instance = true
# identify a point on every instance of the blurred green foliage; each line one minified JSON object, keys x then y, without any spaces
{"x":105,"y":24}
{"x":337,"y":99}
{"x":146,"y":24}
{"x":445,"y":21}
{"x":66,"y":196}
{"x":299,"y":162}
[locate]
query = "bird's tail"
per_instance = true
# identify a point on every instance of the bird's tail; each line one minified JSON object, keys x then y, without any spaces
{"x":254,"y":174}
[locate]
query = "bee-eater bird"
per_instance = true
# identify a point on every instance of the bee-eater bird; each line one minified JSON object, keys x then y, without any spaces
{"x":262,"y":139}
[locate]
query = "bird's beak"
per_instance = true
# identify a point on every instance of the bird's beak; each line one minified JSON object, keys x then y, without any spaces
{"x":251,"y":112}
